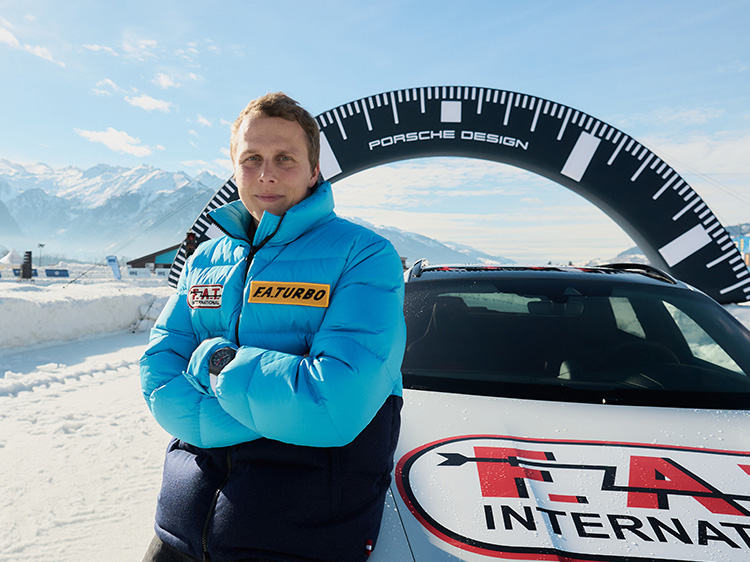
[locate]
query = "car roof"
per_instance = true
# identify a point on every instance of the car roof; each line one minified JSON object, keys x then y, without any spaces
{"x":614,"y":272}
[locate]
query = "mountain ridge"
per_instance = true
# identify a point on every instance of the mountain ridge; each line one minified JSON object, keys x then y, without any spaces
{"x":130,"y":212}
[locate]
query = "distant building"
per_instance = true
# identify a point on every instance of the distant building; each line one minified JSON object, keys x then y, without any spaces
{"x":158,"y":260}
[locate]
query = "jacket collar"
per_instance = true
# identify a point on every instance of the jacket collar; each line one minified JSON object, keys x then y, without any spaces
{"x":237,"y":222}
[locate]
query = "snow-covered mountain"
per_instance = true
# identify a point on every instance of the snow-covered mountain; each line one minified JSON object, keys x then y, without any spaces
{"x":413,"y":246}
{"x":632,"y":255}
{"x":87,"y":214}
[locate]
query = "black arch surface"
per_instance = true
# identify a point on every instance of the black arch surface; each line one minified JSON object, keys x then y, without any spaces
{"x":645,"y":196}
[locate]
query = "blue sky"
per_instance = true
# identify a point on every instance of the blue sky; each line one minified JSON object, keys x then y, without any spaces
{"x":157,"y":83}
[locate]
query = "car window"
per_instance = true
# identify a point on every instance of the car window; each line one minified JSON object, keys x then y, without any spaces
{"x":701,"y":344}
{"x":625,"y":316}
{"x":494,"y":301}
{"x":589,"y":340}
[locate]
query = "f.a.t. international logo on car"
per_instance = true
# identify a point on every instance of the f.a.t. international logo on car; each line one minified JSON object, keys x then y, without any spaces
{"x":520,"y":498}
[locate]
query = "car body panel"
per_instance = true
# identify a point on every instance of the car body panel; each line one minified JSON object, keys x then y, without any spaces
{"x":456,"y":486}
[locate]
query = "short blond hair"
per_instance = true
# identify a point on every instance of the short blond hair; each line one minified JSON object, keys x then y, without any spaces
{"x":278,"y":104}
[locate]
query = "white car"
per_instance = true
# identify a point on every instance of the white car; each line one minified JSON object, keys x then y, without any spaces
{"x":569,"y":414}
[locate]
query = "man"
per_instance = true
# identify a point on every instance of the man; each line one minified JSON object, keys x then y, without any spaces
{"x":276,"y":366}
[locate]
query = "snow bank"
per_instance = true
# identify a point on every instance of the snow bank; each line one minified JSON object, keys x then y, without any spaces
{"x":31,"y":314}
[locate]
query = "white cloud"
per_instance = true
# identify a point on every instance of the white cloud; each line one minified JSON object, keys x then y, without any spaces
{"x":720,"y":153}
{"x":165,"y":81}
{"x":188,"y":53}
{"x":671,"y":117}
{"x":97,"y":48}
{"x":557,"y":234}
{"x":693,"y":116}
{"x":203,"y":121}
{"x":429,"y":182}
{"x":193,"y":133}
{"x":716,"y":167}
{"x":149,"y":104}
{"x":41,"y":52}
{"x":219,"y":167}
{"x":496,"y":208}
{"x":201,"y":164}
{"x":105,"y":87}
{"x":108,"y":82}
{"x":225,"y":164}
{"x":119,"y":141}
{"x":130,"y":47}
{"x":211,"y":46}
{"x":139,"y":48}
{"x":7,"y":38}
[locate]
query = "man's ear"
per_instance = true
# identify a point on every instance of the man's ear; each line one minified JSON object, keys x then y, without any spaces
{"x":314,"y":177}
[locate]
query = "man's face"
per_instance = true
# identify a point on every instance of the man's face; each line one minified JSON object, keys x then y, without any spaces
{"x":271,"y":168}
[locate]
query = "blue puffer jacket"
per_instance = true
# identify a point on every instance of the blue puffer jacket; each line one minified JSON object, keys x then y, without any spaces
{"x":287,"y":453}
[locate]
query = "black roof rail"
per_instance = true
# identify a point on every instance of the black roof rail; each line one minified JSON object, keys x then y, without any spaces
{"x":642,"y":268}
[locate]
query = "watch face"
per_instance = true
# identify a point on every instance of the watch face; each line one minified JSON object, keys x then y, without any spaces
{"x":220,"y":359}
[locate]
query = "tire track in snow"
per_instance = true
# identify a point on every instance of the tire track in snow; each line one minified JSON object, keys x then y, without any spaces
{"x":81,"y":454}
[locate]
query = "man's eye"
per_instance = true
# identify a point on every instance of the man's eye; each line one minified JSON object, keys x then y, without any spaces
{"x":285,"y":158}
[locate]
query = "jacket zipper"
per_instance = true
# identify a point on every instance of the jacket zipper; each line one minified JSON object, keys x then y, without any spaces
{"x":215,"y":500}
{"x":212,"y":508}
{"x":248,"y":262}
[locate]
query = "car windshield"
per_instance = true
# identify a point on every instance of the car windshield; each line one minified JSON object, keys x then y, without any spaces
{"x":580,"y":340}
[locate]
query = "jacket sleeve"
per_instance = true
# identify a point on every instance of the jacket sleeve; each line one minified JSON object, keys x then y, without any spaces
{"x":327,"y":398}
{"x":178,"y":405}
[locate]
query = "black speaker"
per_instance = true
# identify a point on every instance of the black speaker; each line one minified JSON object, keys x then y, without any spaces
{"x":26,"y":266}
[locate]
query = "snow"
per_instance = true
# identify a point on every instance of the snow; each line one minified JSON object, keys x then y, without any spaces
{"x":81,"y":454}
{"x":40,"y":314}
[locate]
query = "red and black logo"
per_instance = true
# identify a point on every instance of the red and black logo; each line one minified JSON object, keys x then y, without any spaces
{"x":518,"y":498}
{"x":205,"y":296}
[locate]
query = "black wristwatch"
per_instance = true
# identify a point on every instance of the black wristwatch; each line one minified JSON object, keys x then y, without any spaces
{"x":220,"y":359}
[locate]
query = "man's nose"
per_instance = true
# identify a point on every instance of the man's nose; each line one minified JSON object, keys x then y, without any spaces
{"x":267,"y":173}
